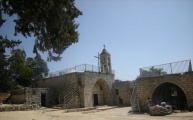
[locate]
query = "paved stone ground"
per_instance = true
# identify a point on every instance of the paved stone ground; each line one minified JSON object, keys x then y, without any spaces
{"x":117,"y":113}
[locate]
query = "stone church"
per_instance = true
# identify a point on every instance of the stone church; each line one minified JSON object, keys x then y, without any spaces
{"x":87,"y":86}
{"x":82,"y":86}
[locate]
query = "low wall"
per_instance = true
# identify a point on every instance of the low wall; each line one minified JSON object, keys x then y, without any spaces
{"x":22,"y":107}
{"x":18,"y":96}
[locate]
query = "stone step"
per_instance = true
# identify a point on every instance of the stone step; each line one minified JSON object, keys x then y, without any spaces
{"x":135,"y":106}
{"x":135,"y":103}
{"x":99,"y":109}
{"x":57,"y":107}
{"x":19,"y":107}
{"x":79,"y":109}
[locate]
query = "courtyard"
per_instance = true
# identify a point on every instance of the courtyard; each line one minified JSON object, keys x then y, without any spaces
{"x":103,"y":113}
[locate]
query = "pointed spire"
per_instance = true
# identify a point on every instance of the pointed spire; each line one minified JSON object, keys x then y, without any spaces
{"x":104,"y":50}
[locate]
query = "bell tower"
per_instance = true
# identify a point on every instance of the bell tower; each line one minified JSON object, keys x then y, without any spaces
{"x":105,"y":62}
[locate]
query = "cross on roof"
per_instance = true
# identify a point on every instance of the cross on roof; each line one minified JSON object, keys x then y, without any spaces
{"x":104,"y":46}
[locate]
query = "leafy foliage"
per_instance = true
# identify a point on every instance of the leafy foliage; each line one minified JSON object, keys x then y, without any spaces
{"x":23,"y":70}
{"x":18,"y":71}
{"x":38,"y":66}
{"x":4,"y":64}
{"x":157,"y":71}
{"x":51,"y":22}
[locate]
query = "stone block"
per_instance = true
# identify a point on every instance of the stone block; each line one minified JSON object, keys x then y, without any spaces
{"x":160,"y":111}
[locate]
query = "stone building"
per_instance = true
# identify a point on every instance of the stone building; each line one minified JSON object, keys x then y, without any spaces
{"x":84,"y":86}
{"x":88,"y":86}
{"x":122,"y":93}
{"x":175,"y":88}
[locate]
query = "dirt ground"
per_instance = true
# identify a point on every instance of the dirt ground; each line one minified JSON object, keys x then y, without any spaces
{"x":120,"y":113}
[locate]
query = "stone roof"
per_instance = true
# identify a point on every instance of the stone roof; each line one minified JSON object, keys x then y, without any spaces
{"x":105,"y":51}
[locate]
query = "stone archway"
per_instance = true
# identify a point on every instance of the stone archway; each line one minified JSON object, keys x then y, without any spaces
{"x":101,"y":93}
{"x":171,"y":94}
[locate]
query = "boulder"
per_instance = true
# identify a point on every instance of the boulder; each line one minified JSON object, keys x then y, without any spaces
{"x":160,"y":110}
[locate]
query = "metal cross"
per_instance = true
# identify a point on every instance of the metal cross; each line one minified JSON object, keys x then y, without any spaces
{"x":98,"y":57}
{"x":104,"y":46}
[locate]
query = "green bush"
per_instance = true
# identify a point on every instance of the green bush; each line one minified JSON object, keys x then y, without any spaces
{"x":15,"y":86}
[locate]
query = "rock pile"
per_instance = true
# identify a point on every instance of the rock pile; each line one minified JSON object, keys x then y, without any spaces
{"x":19,"y":107}
{"x":160,"y":110}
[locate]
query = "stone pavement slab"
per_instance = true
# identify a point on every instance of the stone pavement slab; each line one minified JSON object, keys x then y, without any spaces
{"x":118,"y":113}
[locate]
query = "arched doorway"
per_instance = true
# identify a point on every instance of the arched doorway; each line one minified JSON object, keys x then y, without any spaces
{"x":171,"y":94}
{"x":101,"y":93}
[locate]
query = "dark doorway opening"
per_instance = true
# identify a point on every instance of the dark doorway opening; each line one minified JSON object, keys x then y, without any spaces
{"x":43,"y":99}
{"x":171,"y":94}
{"x":101,"y":93}
{"x":95,"y":99}
{"x":120,"y":101}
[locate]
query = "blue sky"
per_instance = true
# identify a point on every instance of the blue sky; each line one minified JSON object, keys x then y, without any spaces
{"x":137,"y":33}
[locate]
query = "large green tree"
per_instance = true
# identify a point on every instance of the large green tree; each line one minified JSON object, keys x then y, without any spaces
{"x":38,"y":66}
{"x":51,"y":22}
{"x":19,"y":72}
{"x":4,"y":64}
{"x":23,"y":70}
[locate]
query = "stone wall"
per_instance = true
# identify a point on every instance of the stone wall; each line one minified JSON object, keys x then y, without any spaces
{"x":147,"y":85}
{"x":65,"y":84}
{"x":98,"y":90}
{"x":4,"y":96}
{"x":17,"y":96}
{"x":18,"y":107}
{"x":74,"y":102}
{"x":122,"y":93}
{"x":60,"y":83}
{"x":33,"y":96}
{"x":89,"y":81}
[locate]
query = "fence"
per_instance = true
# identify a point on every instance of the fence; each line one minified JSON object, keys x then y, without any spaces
{"x":170,"y":68}
{"x":79,"y":68}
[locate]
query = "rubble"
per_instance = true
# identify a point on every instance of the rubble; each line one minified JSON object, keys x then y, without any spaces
{"x":160,"y":110}
{"x":22,"y":107}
